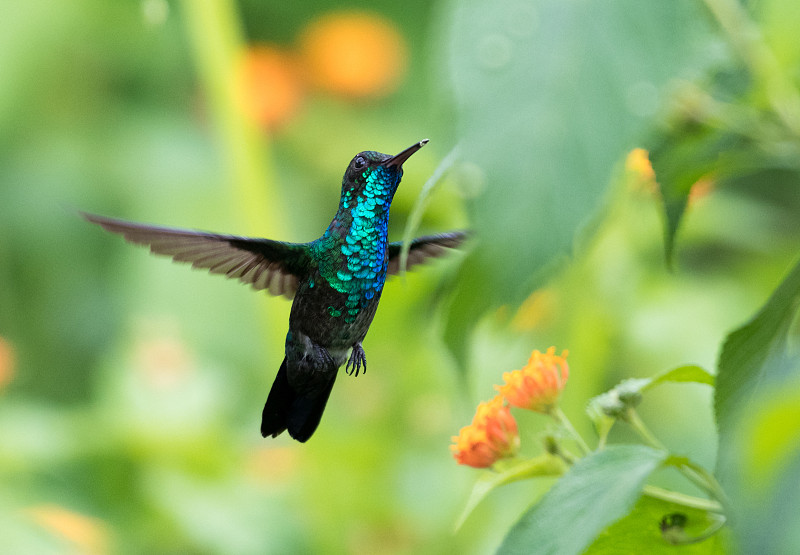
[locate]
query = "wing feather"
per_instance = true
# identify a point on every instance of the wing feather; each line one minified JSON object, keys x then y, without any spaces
{"x":261,"y":263}
{"x":424,"y":248}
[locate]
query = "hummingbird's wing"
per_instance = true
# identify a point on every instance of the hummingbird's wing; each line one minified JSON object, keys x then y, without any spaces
{"x":262,"y":263}
{"x":423,"y":248}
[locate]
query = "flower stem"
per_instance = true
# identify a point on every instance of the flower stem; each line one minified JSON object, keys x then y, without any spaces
{"x":562,"y":419}
{"x":217,"y":43}
{"x":684,"y":539}
{"x":695,"y":474}
{"x":705,"y":480}
{"x":632,"y":417}
{"x":689,"y":501}
{"x":422,"y":200}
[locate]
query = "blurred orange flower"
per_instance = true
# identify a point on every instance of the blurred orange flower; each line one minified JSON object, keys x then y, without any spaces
{"x":538,"y":385}
{"x":354,"y":54}
{"x":87,"y":534}
{"x":7,"y":362}
{"x":492,"y":436}
{"x":271,"y":87}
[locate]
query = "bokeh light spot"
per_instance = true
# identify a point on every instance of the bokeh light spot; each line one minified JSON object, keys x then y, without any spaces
{"x":354,"y":54}
{"x":271,"y":86}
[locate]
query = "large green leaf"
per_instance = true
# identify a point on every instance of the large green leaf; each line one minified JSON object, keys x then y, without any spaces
{"x":599,"y":490}
{"x":756,"y":406}
{"x":640,"y":531}
{"x":753,"y":357}
{"x":550,"y":95}
{"x":681,"y":374}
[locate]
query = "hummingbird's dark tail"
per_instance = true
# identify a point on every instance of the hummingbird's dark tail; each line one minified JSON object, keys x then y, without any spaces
{"x":286,"y":408}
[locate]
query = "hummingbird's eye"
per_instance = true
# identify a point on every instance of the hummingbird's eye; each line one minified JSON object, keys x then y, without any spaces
{"x":359,"y":163}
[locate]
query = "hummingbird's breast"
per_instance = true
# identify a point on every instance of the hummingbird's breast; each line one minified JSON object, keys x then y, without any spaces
{"x":337,"y":303}
{"x":329,"y":317}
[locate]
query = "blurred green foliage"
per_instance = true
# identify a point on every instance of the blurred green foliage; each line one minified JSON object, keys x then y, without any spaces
{"x":129,"y":407}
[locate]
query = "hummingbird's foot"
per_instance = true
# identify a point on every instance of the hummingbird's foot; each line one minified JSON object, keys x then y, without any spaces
{"x":357,"y":361}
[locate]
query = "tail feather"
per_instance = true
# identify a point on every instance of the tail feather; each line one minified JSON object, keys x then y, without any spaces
{"x":276,"y":410}
{"x":287,"y":409}
{"x":306,"y":412}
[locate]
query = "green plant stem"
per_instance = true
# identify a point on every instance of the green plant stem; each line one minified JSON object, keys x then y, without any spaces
{"x":217,"y":46}
{"x":701,"y":478}
{"x":422,"y":201}
{"x":747,"y":40}
{"x":684,"y":539}
{"x":562,"y":419}
{"x":632,"y":417}
{"x":682,"y":499}
{"x":711,"y":483}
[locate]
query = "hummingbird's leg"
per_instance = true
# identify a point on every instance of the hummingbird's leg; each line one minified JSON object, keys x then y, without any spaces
{"x":357,"y":360}
{"x":323,"y":354}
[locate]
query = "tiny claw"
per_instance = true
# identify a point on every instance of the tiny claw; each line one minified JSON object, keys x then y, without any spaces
{"x":357,"y":361}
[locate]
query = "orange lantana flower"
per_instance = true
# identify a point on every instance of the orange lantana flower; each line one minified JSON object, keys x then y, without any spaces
{"x":538,"y":385}
{"x":492,"y":436}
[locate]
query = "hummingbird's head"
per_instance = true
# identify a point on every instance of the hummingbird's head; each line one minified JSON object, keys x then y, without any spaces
{"x":375,"y":175}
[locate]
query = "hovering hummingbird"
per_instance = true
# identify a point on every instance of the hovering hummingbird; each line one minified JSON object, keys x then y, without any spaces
{"x":336,"y":282}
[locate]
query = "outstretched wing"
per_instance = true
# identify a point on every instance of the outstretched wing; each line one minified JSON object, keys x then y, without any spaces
{"x":423,"y":248}
{"x":264,"y":264}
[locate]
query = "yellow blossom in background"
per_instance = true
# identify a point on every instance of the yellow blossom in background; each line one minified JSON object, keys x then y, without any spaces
{"x":638,"y":165}
{"x":538,"y":385}
{"x":638,"y":162}
{"x":537,"y":310}
{"x":492,"y":436}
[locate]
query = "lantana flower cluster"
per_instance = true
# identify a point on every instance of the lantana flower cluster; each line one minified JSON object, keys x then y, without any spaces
{"x":493,"y":434}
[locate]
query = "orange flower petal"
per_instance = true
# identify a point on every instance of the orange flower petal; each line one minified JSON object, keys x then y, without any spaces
{"x":538,"y":385}
{"x":493,"y":435}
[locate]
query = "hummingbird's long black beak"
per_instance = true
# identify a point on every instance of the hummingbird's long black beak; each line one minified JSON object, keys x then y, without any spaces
{"x":398,"y":159}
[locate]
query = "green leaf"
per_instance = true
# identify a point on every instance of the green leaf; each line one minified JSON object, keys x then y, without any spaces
{"x":640,"y":531}
{"x":596,"y":492}
{"x":550,"y":95}
{"x":543,"y":465}
{"x":615,"y":402}
{"x":682,"y":374}
{"x":753,"y":357}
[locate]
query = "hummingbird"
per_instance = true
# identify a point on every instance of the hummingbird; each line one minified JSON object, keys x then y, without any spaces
{"x":335,"y":282}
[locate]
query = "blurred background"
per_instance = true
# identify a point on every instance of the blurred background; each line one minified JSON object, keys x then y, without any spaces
{"x":131,"y":388}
